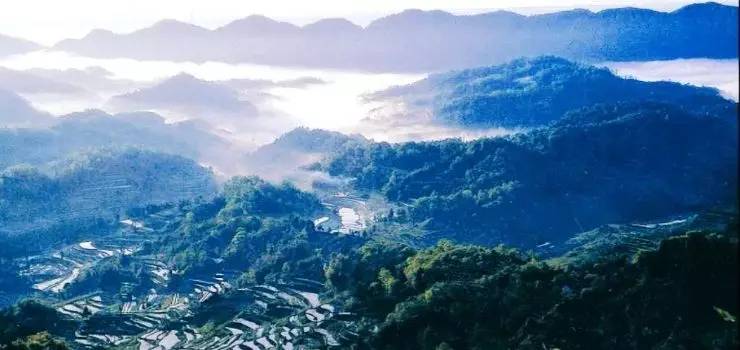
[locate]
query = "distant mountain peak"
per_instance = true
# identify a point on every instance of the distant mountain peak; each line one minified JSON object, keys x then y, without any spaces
{"x":94,"y":35}
{"x":574,"y":13}
{"x":412,"y":15}
{"x":702,"y":7}
{"x":86,"y":114}
{"x":329,"y":25}
{"x":500,"y":14}
{"x":172,"y":27}
{"x":630,"y":11}
{"x":258,"y":25}
{"x":182,"y":82}
{"x":436,"y":40}
{"x":183,"y":77}
{"x":170,"y":22}
{"x":188,"y":94}
{"x":419,"y":12}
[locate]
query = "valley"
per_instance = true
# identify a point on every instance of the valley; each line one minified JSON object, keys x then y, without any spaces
{"x":286,"y":314}
{"x":216,"y":309}
{"x":435,"y":179}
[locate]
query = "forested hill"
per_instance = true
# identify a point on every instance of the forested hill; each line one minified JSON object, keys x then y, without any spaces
{"x":81,"y":189}
{"x":95,"y":129}
{"x":300,"y":143}
{"x":680,"y":296}
{"x":535,"y":91}
{"x":257,"y":228}
{"x":603,"y":164}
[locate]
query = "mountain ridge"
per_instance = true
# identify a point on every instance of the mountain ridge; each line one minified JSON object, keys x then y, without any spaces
{"x":434,"y":40}
{"x":529,"y":92}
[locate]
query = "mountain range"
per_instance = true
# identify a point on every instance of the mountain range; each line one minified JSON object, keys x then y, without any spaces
{"x":416,"y":40}
{"x":603,"y":215}
{"x":251,"y":264}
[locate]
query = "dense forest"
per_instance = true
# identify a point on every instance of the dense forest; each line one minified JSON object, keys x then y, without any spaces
{"x":598,"y":165}
{"x":254,"y":227}
{"x":680,"y":296}
{"x":535,"y":91}
{"x":60,"y":200}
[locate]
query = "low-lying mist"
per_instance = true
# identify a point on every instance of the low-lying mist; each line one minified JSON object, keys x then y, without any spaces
{"x":721,"y":74}
{"x":222,"y":113}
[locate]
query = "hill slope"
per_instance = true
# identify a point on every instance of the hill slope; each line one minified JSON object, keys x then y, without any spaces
{"x":603,"y":164}
{"x":93,"y":186}
{"x":532,"y":92}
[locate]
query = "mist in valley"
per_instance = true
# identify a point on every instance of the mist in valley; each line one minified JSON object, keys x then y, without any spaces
{"x":464,"y":178}
{"x":245,"y":106}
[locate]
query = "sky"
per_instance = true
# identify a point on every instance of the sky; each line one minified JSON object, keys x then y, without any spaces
{"x":48,"y":21}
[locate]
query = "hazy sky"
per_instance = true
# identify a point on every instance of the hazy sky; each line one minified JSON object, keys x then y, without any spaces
{"x":48,"y":21}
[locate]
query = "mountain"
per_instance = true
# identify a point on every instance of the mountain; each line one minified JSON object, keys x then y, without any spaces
{"x":16,"y":112}
{"x":165,"y":29}
{"x":424,"y":41}
{"x":93,"y":129}
{"x":11,"y":46}
{"x":257,"y":26}
{"x":604,"y":217}
{"x":602,"y":164}
{"x":305,"y":140}
{"x":25,"y":82}
{"x":186,"y":94}
{"x":531,"y":92}
{"x":92,"y":78}
{"x":330,"y":27}
{"x":177,"y":38}
{"x":288,"y":156}
{"x":92,"y":186}
{"x":251,"y":265}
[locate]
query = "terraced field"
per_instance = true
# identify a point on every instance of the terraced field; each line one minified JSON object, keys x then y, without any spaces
{"x":350,"y":214}
{"x":286,"y":315}
{"x":629,"y":239}
{"x":52,"y":271}
{"x":280,"y":316}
